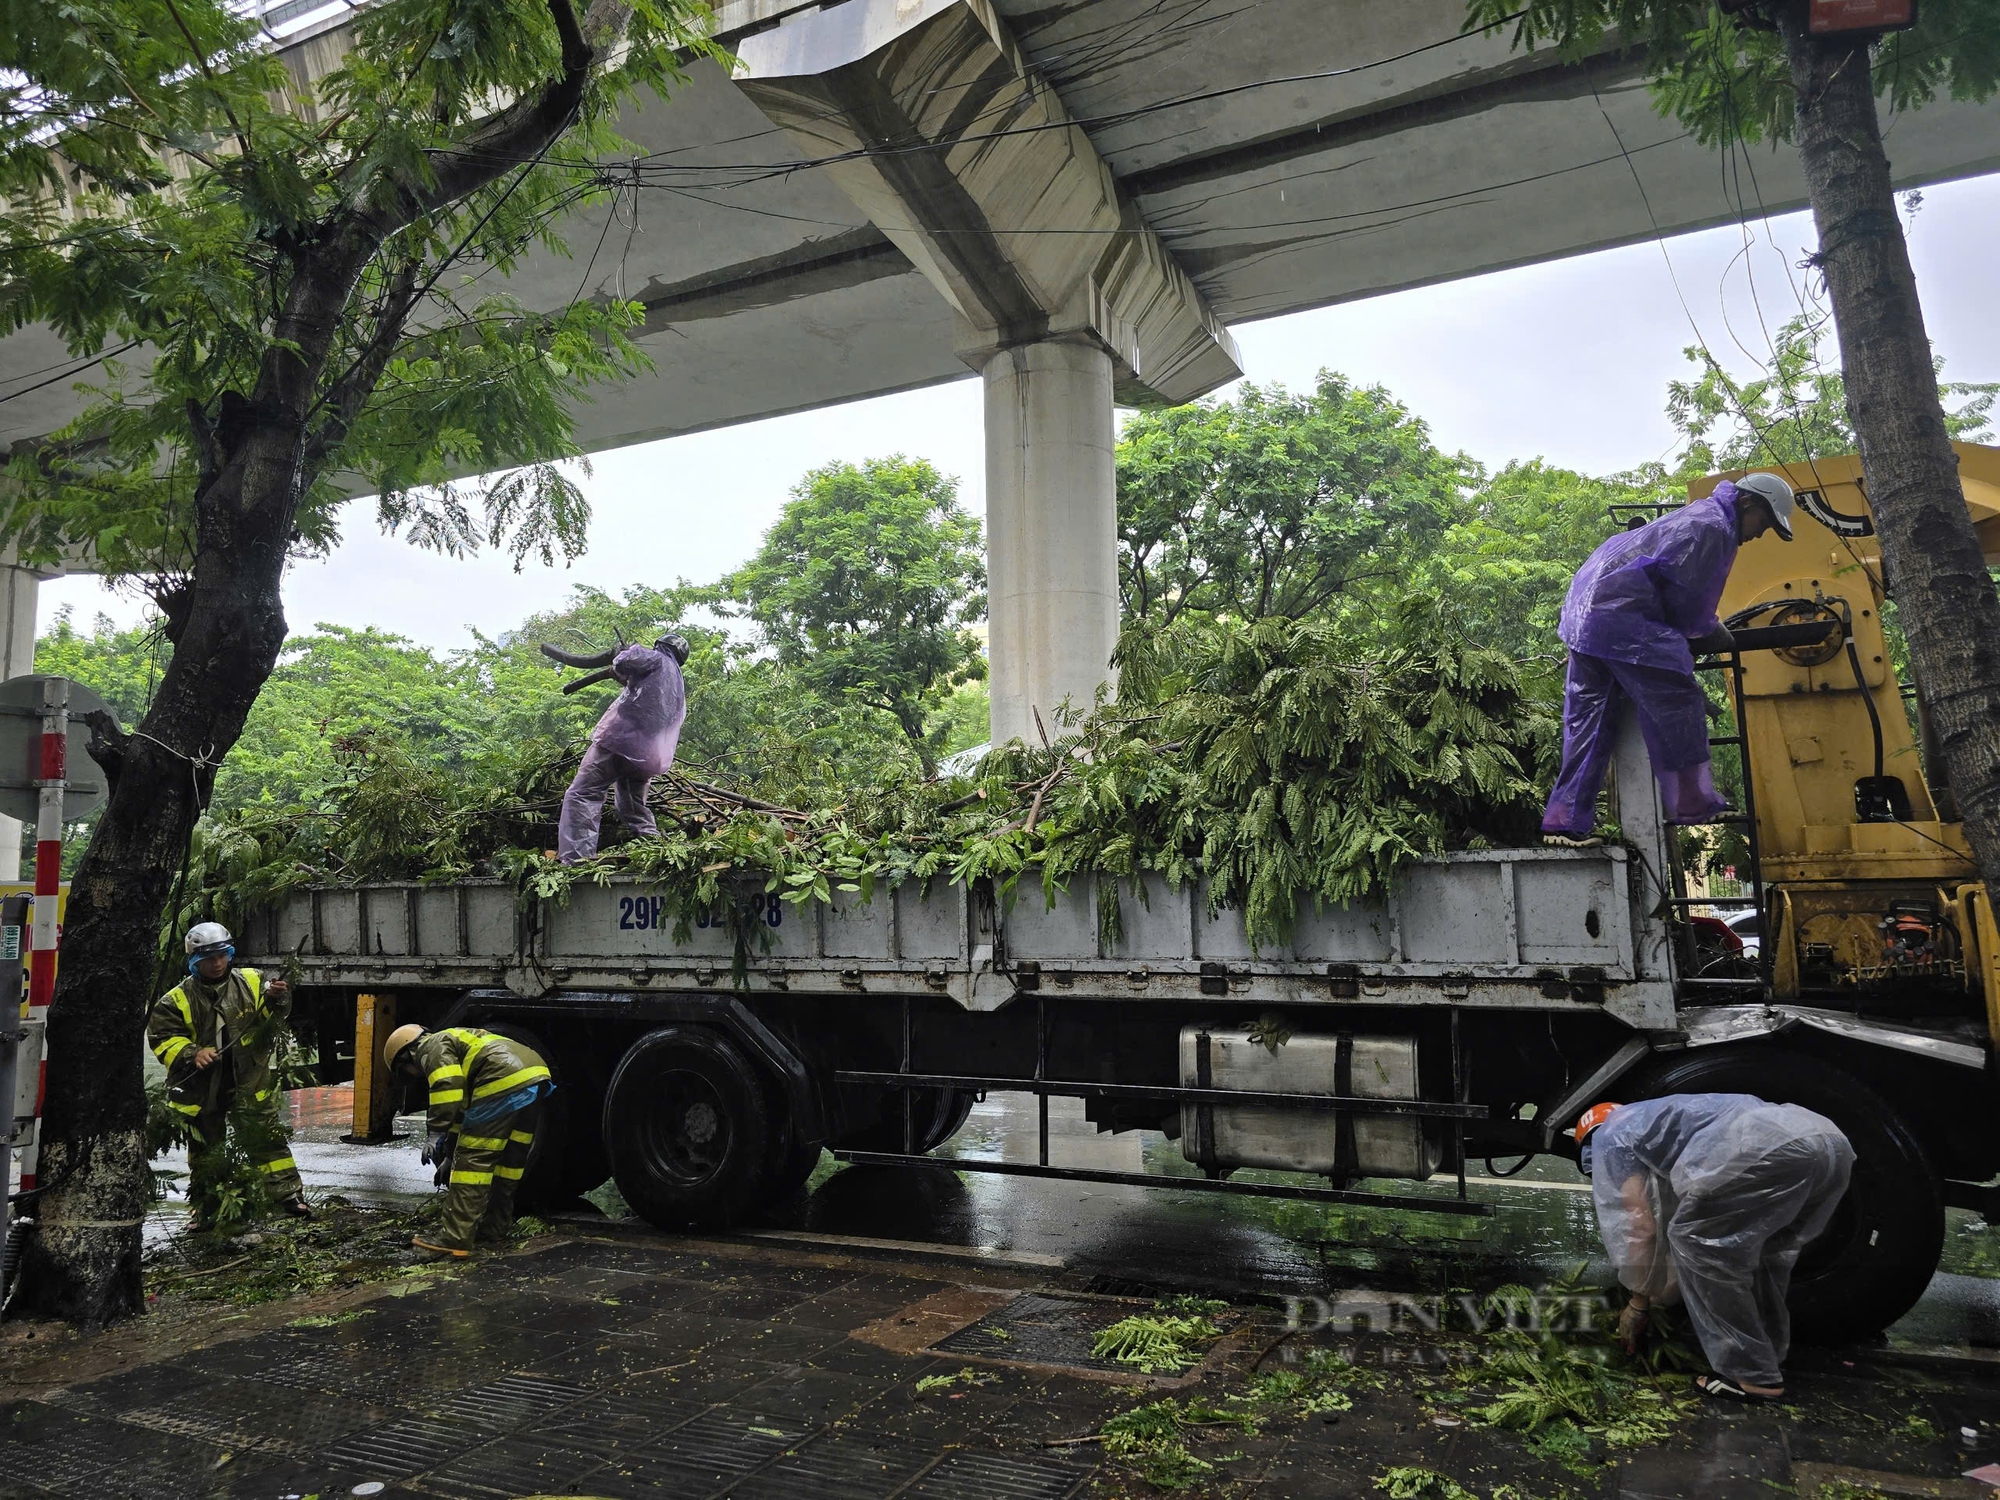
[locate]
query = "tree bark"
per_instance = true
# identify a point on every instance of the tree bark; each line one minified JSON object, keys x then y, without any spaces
{"x":1934,"y":569}
{"x":257,"y":457}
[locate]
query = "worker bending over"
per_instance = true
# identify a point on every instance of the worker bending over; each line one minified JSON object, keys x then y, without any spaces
{"x":1708,"y":1199}
{"x":1633,"y":608}
{"x":632,"y":743}
{"x":486,"y":1093}
{"x":214,"y":1033}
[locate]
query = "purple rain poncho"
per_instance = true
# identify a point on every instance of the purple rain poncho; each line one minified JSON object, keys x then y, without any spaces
{"x":1708,"y":1199}
{"x":633,"y":743}
{"x":1631,"y":611}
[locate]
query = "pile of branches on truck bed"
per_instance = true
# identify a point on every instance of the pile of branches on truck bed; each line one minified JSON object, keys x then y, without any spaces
{"x":1274,"y":758}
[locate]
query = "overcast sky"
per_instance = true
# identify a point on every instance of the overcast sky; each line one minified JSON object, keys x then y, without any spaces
{"x":1566,"y":361}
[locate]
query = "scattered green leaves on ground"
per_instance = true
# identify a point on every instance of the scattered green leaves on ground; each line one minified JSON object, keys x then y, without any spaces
{"x":1919,"y":1429}
{"x":967,"y":1376}
{"x":1409,"y":1483}
{"x":1153,"y":1439}
{"x":1153,"y":1343}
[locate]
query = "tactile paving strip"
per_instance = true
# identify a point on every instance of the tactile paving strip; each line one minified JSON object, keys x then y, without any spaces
{"x":250,"y":1415}
{"x":402,"y":1448}
{"x":999,"y":1476}
{"x":614,"y":1424}
{"x":1041,"y":1330}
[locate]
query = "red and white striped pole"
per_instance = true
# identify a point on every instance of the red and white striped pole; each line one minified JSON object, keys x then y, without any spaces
{"x":52,"y":784}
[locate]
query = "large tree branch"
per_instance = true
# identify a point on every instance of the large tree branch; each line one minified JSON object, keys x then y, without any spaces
{"x":350,"y":393}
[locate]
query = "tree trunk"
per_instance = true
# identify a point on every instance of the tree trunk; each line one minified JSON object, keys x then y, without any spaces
{"x":1934,"y":570}
{"x":83,"y":1264}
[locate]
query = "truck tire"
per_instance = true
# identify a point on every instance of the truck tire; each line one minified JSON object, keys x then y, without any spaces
{"x":567,"y":1159}
{"x":940,"y":1113}
{"x":1879,"y":1253}
{"x":687,"y":1124}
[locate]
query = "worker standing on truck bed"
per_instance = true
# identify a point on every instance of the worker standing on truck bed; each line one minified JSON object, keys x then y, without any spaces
{"x":486,"y":1093}
{"x":1708,"y":1199}
{"x":214,"y":1033}
{"x":1633,"y":609}
{"x":633,"y":743}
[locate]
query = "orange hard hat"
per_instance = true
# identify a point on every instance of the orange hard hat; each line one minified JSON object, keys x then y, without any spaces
{"x":1591,"y":1118}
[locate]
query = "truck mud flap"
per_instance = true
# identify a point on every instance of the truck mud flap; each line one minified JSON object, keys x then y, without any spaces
{"x":723,"y":1012}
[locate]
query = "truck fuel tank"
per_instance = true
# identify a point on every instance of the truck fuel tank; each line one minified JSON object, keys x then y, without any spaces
{"x":1340,"y":1145}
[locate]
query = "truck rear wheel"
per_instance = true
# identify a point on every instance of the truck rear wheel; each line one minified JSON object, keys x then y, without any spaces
{"x":1879,"y":1253}
{"x":688,"y":1128}
{"x":937,"y":1116}
{"x":567,"y":1159}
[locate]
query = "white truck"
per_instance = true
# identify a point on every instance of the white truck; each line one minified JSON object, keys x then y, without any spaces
{"x":1470,"y":1014}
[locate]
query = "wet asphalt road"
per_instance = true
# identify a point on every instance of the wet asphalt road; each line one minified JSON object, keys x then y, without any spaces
{"x":1119,"y":1238}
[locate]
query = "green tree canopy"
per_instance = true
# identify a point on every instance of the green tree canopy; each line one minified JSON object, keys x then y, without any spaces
{"x":1278,"y":504}
{"x":866,"y":587}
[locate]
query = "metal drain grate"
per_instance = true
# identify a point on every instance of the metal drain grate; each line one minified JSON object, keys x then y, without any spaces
{"x":999,"y":1476}
{"x":511,"y":1467}
{"x":48,"y":1448}
{"x":402,"y":1448}
{"x":727,"y":1440}
{"x":328,"y":1370}
{"x":1040,"y":1330}
{"x":510,"y":1402}
{"x":614,"y":1424}
{"x":840,"y":1469}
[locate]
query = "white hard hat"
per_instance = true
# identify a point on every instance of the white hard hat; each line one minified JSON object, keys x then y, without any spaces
{"x":1775,"y":491}
{"x":207,"y":935}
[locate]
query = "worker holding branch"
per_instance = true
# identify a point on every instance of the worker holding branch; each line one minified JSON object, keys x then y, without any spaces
{"x":1637,"y":610}
{"x":485,"y":1096}
{"x":634,"y":742}
{"x":214,"y":1033}
{"x":1707,"y":1199}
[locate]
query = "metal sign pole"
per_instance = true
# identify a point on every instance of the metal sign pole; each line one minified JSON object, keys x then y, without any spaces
{"x":51,"y":784}
{"x":13,"y":915}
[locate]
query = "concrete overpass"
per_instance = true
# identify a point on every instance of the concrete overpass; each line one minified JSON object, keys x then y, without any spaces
{"x":1072,"y":200}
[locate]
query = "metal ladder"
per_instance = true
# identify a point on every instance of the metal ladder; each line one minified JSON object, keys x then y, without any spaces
{"x":1745,"y":818}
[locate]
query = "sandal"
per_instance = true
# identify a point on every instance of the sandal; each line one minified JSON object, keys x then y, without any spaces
{"x":1728,"y":1390}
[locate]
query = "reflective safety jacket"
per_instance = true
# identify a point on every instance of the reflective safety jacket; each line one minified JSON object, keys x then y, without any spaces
{"x":466,"y":1067}
{"x":234,"y":1014}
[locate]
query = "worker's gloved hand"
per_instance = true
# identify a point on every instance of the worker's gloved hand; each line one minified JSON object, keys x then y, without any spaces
{"x":1632,"y":1324}
{"x":437,"y":1149}
{"x":1715,"y":641}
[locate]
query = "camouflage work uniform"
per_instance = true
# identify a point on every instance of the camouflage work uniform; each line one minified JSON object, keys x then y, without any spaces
{"x":486,"y":1090}
{"x":237,"y":1090}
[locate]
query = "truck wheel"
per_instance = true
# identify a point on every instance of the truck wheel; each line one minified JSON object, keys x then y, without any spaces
{"x":939,"y":1115}
{"x":567,"y":1159}
{"x":1879,"y":1253}
{"x":688,"y":1129}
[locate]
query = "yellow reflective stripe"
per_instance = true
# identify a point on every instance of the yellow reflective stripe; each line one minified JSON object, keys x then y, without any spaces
{"x":254,"y":979}
{"x":511,"y":1081}
{"x":282,"y":1164}
{"x":475,"y":1178}
{"x":449,"y":1070}
{"x":185,"y":1109}
{"x":446,"y":1096}
{"x":523,"y":1136}
{"x":262,"y":1095}
{"x":483,"y":1142}
{"x":512,"y":1174}
{"x":172,"y":1048}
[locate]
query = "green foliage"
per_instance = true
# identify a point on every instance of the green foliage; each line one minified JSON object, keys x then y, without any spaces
{"x":1154,"y":1342}
{"x":1726,"y":77}
{"x":1792,"y":412}
{"x":220,"y":192}
{"x":1407,"y":1482}
{"x":1275,"y":758}
{"x":1275,"y":504}
{"x":865,"y":588}
{"x":1153,"y":1439}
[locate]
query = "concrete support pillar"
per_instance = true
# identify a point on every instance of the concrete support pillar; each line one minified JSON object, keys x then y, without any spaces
{"x":19,"y":588}
{"x":1051,"y":531}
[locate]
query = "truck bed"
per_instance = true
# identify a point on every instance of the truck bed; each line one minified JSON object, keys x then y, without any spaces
{"x":1519,"y":927}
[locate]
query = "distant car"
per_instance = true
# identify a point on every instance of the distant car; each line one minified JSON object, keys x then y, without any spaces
{"x":1743,"y":922}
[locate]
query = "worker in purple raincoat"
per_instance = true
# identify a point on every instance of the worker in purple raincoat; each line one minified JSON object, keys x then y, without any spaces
{"x":1631,"y":614}
{"x":633,"y":743}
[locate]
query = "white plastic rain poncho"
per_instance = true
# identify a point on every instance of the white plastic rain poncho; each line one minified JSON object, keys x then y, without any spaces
{"x":634,"y":742}
{"x":1708,"y":1199}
